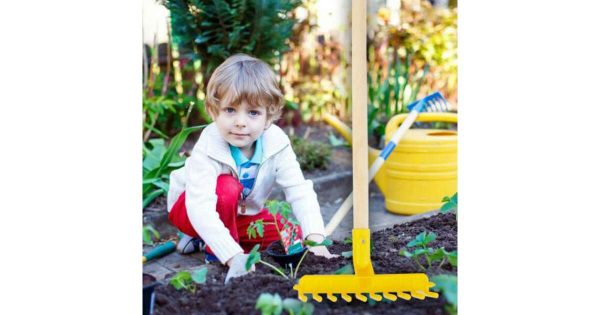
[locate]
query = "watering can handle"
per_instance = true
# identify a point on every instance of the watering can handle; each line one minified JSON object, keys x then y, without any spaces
{"x":393,"y":124}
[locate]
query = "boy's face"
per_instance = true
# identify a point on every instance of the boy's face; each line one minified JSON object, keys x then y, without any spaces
{"x":241,"y":125}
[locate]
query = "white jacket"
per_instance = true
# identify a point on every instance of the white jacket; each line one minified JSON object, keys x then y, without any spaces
{"x":211,"y":157}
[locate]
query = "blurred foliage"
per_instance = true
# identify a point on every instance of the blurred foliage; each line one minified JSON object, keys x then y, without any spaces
{"x":311,"y":154}
{"x":314,"y":71}
{"x":410,"y":60}
{"x":429,"y":36}
{"x":169,"y":99}
{"x":217,"y":29}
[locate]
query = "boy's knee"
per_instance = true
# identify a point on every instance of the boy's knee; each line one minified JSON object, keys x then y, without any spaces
{"x":228,"y":188}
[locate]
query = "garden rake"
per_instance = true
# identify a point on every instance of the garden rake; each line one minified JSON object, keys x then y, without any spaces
{"x":364,"y":282}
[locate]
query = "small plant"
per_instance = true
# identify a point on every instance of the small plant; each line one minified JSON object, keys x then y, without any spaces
{"x":256,"y":228}
{"x":272,"y":304}
{"x":188,"y":281}
{"x":149,"y":234}
{"x":311,"y":154}
{"x":431,"y":255}
{"x":447,"y":284}
{"x":275,"y":207}
{"x":450,"y":204}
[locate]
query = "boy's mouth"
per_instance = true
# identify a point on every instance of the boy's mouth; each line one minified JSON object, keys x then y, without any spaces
{"x":239,"y":134}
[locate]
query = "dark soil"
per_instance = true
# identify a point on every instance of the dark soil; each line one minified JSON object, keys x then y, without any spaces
{"x":239,"y":296}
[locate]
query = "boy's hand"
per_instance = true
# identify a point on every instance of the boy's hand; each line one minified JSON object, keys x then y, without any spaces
{"x":320,"y":250}
{"x":237,"y":266}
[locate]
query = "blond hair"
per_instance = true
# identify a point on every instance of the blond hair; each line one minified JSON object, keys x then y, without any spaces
{"x":244,"y":78}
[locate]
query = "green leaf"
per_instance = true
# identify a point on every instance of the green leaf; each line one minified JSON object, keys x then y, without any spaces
{"x":176,"y":144}
{"x":346,"y":270}
{"x":148,"y":233}
{"x":181,"y":280}
{"x":448,"y":285}
{"x":452,"y":258}
{"x":325,"y":242}
{"x":437,"y":255}
{"x":253,"y":257}
{"x":269,"y":304}
{"x":296,"y":307}
{"x":199,"y":276}
{"x":151,"y":197}
{"x":347,"y":254}
{"x":406,"y":253}
{"x":422,"y":239}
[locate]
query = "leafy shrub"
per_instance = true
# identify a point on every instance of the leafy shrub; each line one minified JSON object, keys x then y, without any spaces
{"x":216,"y":29}
{"x":311,"y":154}
{"x":272,"y":304}
{"x":158,"y":163}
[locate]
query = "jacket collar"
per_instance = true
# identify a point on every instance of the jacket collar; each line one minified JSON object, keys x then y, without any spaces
{"x":212,"y":144}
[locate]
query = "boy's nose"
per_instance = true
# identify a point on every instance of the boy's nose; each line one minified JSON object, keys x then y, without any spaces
{"x":240,"y":121}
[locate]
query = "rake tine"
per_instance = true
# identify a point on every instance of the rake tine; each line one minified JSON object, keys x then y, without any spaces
{"x":346,"y":297}
{"x":430,"y":294}
{"x":302,"y":297}
{"x":390,"y":297}
{"x":403,"y":295}
{"x":418,"y":295}
{"x":375,"y":296}
{"x":317,"y":297}
{"x":361,"y":297}
{"x":331,"y":297}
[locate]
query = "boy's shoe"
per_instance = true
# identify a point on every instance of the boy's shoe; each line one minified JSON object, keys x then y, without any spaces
{"x":188,"y":244}
{"x":208,"y":258}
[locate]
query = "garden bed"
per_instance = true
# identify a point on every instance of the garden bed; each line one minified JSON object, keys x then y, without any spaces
{"x":240,"y":295}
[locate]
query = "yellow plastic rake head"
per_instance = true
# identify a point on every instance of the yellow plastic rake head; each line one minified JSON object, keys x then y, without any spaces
{"x":364,"y":282}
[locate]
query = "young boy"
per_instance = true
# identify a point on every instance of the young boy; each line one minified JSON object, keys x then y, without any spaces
{"x":234,"y":166}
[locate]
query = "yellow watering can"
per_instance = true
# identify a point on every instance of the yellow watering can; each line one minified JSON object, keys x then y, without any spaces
{"x":421,"y":170}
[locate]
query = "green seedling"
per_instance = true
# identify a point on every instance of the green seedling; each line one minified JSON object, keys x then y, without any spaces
{"x":447,"y":284}
{"x":272,"y":304}
{"x":450,"y":204}
{"x":431,"y":255}
{"x":275,"y":207}
{"x":149,"y":234}
{"x":188,"y":281}
{"x":254,"y":258}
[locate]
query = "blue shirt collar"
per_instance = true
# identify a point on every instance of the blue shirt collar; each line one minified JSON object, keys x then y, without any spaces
{"x":241,"y":159}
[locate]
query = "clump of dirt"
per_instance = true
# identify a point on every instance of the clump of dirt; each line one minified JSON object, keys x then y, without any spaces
{"x":239,"y":296}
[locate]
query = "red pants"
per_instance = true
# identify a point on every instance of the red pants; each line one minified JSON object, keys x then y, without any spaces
{"x":228,"y":194}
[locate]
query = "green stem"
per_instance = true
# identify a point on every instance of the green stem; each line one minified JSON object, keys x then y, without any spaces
{"x":443,"y":261}
{"x":274,"y":268}
{"x":300,"y":262}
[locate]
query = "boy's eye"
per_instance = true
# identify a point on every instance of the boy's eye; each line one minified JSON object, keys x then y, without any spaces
{"x":254,"y":113}
{"x":229,"y":109}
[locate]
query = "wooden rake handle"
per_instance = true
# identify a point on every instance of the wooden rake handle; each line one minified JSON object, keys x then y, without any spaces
{"x":360,"y":145}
